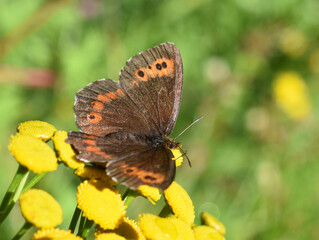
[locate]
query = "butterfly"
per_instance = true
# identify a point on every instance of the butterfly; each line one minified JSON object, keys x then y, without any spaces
{"x":125,"y":125}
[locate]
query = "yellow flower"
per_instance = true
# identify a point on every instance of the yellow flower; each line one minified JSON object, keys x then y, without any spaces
{"x":100,"y":204}
{"x":40,"y":208}
{"x":211,"y":221}
{"x":177,"y":156}
{"x":37,"y":129}
{"x":153,"y":194}
{"x":66,"y":152}
{"x":293,"y":43}
{"x":157,"y":228}
{"x":54,"y":234}
{"x":180,"y":202}
{"x":127,"y":229}
{"x":33,"y":153}
{"x":207,"y":233}
{"x":94,"y":173}
{"x":290,"y":93}
{"x":109,"y":236}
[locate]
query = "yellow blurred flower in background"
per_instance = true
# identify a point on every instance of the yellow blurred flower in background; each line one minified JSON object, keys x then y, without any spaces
{"x":293,"y":42}
{"x":291,"y":94}
{"x":314,"y":61}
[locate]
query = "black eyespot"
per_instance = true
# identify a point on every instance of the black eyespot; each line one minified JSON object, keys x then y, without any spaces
{"x":158,"y":66}
{"x":150,"y":178}
{"x":92,"y":117}
{"x":149,"y":67}
{"x":164,"y":65}
{"x":129,"y":170}
{"x":140,"y":73}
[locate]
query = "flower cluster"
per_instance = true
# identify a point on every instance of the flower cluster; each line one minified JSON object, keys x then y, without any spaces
{"x":99,"y":202}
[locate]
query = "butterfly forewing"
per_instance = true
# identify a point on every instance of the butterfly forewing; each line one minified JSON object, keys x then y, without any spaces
{"x":103,"y":107}
{"x":153,"y":80}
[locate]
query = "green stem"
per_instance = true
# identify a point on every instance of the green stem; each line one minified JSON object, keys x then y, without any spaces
{"x":33,"y":181}
{"x":75,"y":219}
{"x":13,"y":192}
{"x":125,"y":194}
{"x":82,"y":224}
{"x":166,"y":210}
{"x":130,"y":195}
{"x":26,"y":226}
{"x":87,"y":227}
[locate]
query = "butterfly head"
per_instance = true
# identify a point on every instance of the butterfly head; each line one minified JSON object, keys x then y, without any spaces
{"x":171,"y":144}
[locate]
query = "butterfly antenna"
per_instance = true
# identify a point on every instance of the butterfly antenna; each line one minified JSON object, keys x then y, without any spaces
{"x":188,"y":127}
{"x":184,"y":154}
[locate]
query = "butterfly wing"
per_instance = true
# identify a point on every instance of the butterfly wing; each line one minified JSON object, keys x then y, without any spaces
{"x":112,"y":147}
{"x":153,"y":80}
{"x":133,"y":165}
{"x":103,"y":107}
{"x":154,"y":168}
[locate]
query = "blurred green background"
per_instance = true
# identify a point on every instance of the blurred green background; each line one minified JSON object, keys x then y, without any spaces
{"x":251,"y":69}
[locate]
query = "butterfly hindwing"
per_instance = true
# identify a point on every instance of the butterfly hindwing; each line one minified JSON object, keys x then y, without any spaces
{"x":154,"y":168}
{"x":92,"y":148}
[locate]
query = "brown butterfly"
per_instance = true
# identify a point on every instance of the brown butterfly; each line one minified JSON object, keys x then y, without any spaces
{"x":126,"y":124}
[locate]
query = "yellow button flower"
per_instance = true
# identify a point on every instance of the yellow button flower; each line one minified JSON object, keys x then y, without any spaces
{"x":40,"y":208}
{"x":290,"y":92}
{"x":177,"y":156}
{"x":33,"y":153}
{"x":100,"y":204}
{"x":207,"y":233}
{"x":180,"y":202}
{"x":54,"y":234}
{"x":37,"y":129}
{"x":127,"y":229}
{"x":65,"y":151}
{"x":211,"y":221}
{"x":153,"y":194}
{"x":109,"y":236}
{"x":94,"y":173}
{"x":157,"y":228}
